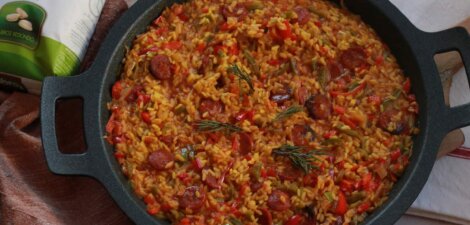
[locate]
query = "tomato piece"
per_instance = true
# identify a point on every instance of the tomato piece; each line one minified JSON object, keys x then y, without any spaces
{"x":152,"y":210}
{"x":119,"y":155}
{"x":149,"y":199}
{"x":219,"y":49}
{"x":294,"y":220}
{"x":116,"y":90}
{"x":146,"y":117}
{"x":185,"y":221}
{"x":379,"y":60}
{"x":342,"y":204}
{"x":226,"y":27}
{"x":235,"y":144}
{"x":233,"y":50}
{"x":210,"y":106}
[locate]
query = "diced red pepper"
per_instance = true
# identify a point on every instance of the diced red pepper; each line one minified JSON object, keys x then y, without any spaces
{"x":197,"y":164}
{"x":161,"y":31}
{"x":264,"y":173}
{"x":235,"y":143}
{"x":173,"y":45}
{"x":379,"y":60}
{"x":346,"y":185}
{"x":146,"y":117}
{"x":185,"y":221}
{"x":183,"y":17}
{"x":145,"y":51}
{"x":243,"y":189}
{"x":233,"y":50}
{"x":294,"y":220}
{"x":149,"y":199}
{"x":246,"y":100}
{"x":116,"y":90}
{"x":317,"y":23}
{"x":287,"y":33}
{"x":339,"y":109}
{"x":205,"y":10}
{"x":348,"y":121}
{"x":152,"y":210}
{"x":407,"y":85}
{"x":273,"y":62}
{"x":219,"y":48}
{"x":366,"y":181}
{"x":363,"y":207}
{"x":329,"y":134}
{"x":166,"y":208}
{"x":201,"y":47}
{"x":226,"y":27}
{"x":341,"y":205}
{"x":143,"y":98}
{"x":245,"y":115}
{"x":119,"y":155}
{"x":394,"y":155}
{"x":271,"y":172}
{"x":183,"y":176}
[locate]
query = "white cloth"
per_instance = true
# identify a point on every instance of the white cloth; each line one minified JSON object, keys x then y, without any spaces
{"x":446,"y":195}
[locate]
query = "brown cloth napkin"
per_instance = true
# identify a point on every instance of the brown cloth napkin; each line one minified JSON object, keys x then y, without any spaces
{"x":29,"y":193}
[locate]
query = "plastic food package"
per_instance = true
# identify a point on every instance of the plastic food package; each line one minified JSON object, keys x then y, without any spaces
{"x":40,"y":38}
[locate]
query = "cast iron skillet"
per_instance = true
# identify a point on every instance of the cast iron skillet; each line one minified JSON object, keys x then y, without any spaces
{"x":413,"y":48}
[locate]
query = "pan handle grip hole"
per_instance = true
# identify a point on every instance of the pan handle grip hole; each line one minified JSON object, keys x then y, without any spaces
{"x":70,"y":131}
{"x":450,"y":66}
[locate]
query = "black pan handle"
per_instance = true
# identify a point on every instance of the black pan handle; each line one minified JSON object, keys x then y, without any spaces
{"x":455,"y":39}
{"x":54,"y":88}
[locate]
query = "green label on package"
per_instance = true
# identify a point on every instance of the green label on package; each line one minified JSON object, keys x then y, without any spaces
{"x":21,"y":23}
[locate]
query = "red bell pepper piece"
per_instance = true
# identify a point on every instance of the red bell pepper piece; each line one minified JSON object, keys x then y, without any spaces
{"x":407,"y":85}
{"x":294,"y":220}
{"x":363,"y":207}
{"x":116,"y":90}
{"x":173,"y":45}
{"x":341,"y":205}
{"x":146,"y":117}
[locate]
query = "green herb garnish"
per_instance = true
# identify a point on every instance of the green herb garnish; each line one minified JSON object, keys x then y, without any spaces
{"x":242,"y":76}
{"x":254,"y":66}
{"x":329,"y":196}
{"x":288,"y":112}
{"x":298,"y":156}
{"x":235,"y":221}
{"x":212,"y":126}
{"x":293,"y":66}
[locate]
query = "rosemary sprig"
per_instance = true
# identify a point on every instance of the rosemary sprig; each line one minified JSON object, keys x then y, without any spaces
{"x":254,"y":66}
{"x":288,"y":112}
{"x":212,"y":126}
{"x":242,"y":76}
{"x":298,"y":157}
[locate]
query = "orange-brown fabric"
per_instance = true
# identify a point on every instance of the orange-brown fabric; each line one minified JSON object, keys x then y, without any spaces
{"x":29,"y":192}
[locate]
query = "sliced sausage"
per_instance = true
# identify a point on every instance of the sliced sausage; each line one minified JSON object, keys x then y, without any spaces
{"x":335,"y":69}
{"x":266,"y":218}
{"x":193,"y":198}
{"x":353,"y":58}
{"x":318,"y":106}
{"x":210,"y":106}
{"x":246,"y":143}
{"x":160,"y":67}
{"x":212,"y":181}
{"x":303,"y":15}
{"x":289,"y":173}
{"x":279,"y":201}
{"x":298,"y":134}
{"x":386,"y":122}
{"x":160,"y":159}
